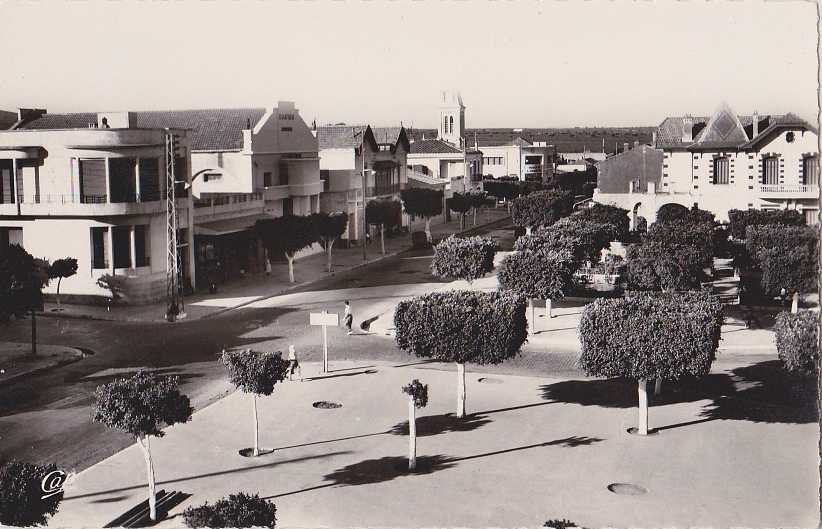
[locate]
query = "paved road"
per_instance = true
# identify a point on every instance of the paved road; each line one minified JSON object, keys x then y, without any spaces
{"x":47,"y":417}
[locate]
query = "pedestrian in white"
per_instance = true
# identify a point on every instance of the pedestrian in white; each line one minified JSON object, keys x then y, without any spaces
{"x":348,"y":317}
{"x":293,"y":363}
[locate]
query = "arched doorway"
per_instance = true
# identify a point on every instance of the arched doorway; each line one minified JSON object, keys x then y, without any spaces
{"x":635,"y":215}
{"x":670,"y":212}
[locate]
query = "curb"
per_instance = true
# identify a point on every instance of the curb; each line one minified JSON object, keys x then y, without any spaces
{"x":75,"y":357}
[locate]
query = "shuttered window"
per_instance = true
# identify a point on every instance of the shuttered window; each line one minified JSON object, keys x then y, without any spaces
{"x":149,"y":179}
{"x":721,"y":170}
{"x":93,"y":181}
{"x":810,"y":170}
{"x":770,"y":170}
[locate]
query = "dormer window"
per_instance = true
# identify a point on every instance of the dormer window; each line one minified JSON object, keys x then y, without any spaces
{"x":721,"y":170}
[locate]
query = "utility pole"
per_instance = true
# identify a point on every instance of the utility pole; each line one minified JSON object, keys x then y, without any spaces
{"x":364,"y":182}
{"x":174,"y":294}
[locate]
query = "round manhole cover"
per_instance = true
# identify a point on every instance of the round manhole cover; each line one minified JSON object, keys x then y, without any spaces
{"x":627,"y":489}
{"x":325,"y":405}
{"x":489,"y":380}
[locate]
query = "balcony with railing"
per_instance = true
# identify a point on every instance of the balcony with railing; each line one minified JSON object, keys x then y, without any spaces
{"x":789,"y":190}
{"x":224,"y":205}
{"x":83,"y":204}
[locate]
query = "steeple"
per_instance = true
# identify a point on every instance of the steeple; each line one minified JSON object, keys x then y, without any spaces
{"x":452,"y":118}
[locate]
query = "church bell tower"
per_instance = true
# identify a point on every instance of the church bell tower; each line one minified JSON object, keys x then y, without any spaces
{"x":452,"y":119}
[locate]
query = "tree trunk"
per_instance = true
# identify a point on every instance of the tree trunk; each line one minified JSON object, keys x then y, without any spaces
{"x":328,"y":246}
{"x":460,"y":390}
{"x":549,"y":308}
{"x":33,"y":333}
{"x":256,"y":425}
{"x":462,"y":221}
{"x":428,"y":229}
{"x":412,"y":434}
{"x":152,"y":498}
{"x":795,"y":303}
{"x":59,"y":280}
{"x":527,"y":230}
{"x":290,"y":267}
{"x":533,"y":325}
{"x":475,"y":216}
{"x":658,"y":387}
{"x":642,"y":426}
{"x":382,"y":238}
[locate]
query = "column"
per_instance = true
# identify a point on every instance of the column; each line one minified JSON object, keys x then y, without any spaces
{"x":108,"y":190}
{"x":14,"y":190}
{"x":137,"y":190}
{"x":110,"y":250}
{"x":133,"y":247}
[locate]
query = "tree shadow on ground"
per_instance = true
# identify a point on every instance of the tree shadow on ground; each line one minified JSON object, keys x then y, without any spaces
{"x":386,"y":469}
{"x":436,"y":424}
{"x":622,"y":393}
{"x":767,"y":394}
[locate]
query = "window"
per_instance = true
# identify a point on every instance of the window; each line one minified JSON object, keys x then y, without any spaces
{"x":99,"y":248}
{"x":141,"y":250}
{"x":288,"y":207}
{"x":282,"y":168}
{"x":811,"y":217}
{"x":150,"y":179}
{"x":267,"y":179}
{"x":721,"y":170}
{"x":324,"y":178}
{"x":121,"y":179}
{"x":445,"y":125}
{"x":286,"y":129}
{"x":451,"y":124}
{"x":770,"y":170}
{"x":121,"y":236}
{"x":93,"y":181}
{"x":810,"y":170}
{"x":220,"y":160}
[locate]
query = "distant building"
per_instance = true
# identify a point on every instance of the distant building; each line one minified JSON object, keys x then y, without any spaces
{"x":344,"y":151}
{"x":718,"y":163}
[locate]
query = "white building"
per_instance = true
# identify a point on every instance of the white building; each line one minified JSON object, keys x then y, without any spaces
{"x":718,"y":163}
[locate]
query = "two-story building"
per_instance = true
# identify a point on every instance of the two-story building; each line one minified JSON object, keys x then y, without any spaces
{"x":718,"y":163}
{"x":241,"y":165}
{"x":350,"y":153}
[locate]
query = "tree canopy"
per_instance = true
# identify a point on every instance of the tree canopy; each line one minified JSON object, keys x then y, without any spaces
{"x":607,"y":214}
{"x":22,"y":278}
{"x":469,"y":258}
{"x":541,"y":208}
{"x":741,"y":219}
{"x":383,"y":212}
{"x":582,"y":238}
{"x":329,"y":226}
{"x":288,"y":234}
{"x":539,"y":274}
{"x":422,"y":202}
{"x":254,"y":372}
{"x":62,"y":268}
{"x":22,"y":499}
{"x":678,"y":212}
{"x":797,"y":341}
{"x":655,"y":265}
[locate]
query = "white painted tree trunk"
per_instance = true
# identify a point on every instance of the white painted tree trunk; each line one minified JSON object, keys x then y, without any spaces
{"x":528,"y":230}
{"x":59,"y":280}
{"x":152,"y":498}
{"x":428,"y":229}
{"x":460,"y":390}
{"x":475,"y":216}
{"x":256,"y":425}
{"x":290,"y":267}
{"x":412,"y":434}
{"x":382,"y":238}
{"x":549,"y":309}
{"x":328,"y":246}
{"x":533,"y":325}
{"x":658,"y":387}
{"x":642,"y":426}
{"x":795,"y":303}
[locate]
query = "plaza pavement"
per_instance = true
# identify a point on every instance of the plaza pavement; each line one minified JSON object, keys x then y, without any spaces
{"x":531,"y":449}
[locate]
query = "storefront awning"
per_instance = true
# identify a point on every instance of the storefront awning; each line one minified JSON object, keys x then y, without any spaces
{"x":224,"y":227}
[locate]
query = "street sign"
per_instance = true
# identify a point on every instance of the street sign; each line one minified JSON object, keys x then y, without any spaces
{"x":324,"y":319}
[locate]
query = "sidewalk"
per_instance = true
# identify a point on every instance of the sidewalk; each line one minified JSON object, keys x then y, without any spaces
{"x":16,"y":360}
{"x":238,"y":293}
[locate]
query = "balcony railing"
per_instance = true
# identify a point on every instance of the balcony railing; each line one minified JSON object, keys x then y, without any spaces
{"x":377,"y":191}
{"x":228,"y":199}
{"x":788,"y":189}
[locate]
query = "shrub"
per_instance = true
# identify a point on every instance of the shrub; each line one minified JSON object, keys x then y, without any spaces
{"x":740,"y":220}
{"x":541,"y":274}
{"x":650,"y":335}
{"x":699,"y":235}
{"x":541,"y":208}
{"x":678,"y":212}
{"x":21,"y":491}
{"x":779,"y":236}
{"x":468,"y":259}
{"x":659,"y":266}
{"x":793,"y":269}
{"x":797,"y":341}
{"x":237,"y":510}
{"x":607,"y":214}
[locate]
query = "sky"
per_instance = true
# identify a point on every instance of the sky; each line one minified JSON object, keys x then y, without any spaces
{"x":516,"y":63}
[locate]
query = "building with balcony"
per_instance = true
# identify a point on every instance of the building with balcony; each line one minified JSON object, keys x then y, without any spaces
{"x":97,"y":194}
{"x":347,"y":153}
{"x":718,"y":163}
{"x":241,"y":165}
{"x":518,"y":158}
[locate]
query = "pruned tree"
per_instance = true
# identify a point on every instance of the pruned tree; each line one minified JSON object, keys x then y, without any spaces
{"x":27,"y":494}
{"x":680,"y":213}
{"x":62,"y":268}
{"x":540,"y":274}
{"x":461,"y":204}
{"x":140,"y":406}
{"x":786,"y":255}
{"x":422,"y":202}
{"x":797,"y":342}
{"x":501,"y":189}
{"x":237,"y":510}
{"x":257,"y":374}
{"x":658,"y":266}
{"x":462,"y":326}
{"x":115,"y":286}
{"x":608,"y":214}
{"x":22,"y":278}
{"x":468,"y":259}
{"x":384,"y":213}
{"x":582,"y":238}
{"x":417,"y":398}
{"x":478,"y":200}
{"x":741,"y":219}
{"x":699,"y":235}
{"x":650,"y":336}
{"x":329,"y":227}
{"x":288,"y":234}
{"x":541,"y":208}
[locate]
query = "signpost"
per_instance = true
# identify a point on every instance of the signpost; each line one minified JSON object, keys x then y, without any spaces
{"x":324,"y":319}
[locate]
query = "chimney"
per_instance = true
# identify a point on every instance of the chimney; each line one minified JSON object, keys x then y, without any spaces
{"x":687,"y":129}
{"x":755,"y":124}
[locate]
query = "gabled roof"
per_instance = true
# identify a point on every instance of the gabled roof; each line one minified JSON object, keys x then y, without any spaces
{"x":723,"y":130}
{"x":519,"y":140}
{"x":434,"y":147}
{"x":215,"y":129}
{"x":340,"y":136}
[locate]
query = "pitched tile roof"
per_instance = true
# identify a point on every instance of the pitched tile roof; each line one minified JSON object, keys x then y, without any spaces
{"x":434,"y":146}
{"x":340,"y":136}
{"x":214,"y":129}
{"x":7,"y":119}
{"x":387,"y":134}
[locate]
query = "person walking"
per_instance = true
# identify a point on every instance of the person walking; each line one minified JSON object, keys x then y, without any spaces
{"x":348,"y":317}
{"x":293,"y":363}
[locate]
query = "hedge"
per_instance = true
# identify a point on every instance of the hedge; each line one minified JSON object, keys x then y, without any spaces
{"x":604,"y":213}
{"x":21,"y":489}
{"x":741,"y":219}
{"x":650,"y":335}
{"x":793,"y":269}
{"x":237,"y":510}
{"x":468,"y":259}
{"x":658,"y":266}
{"x":797,"y":341}
{"x":541,"y":274}
{"x":462,"y":326}
{"x":699,"y":235}
{"x":779,"y":236}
